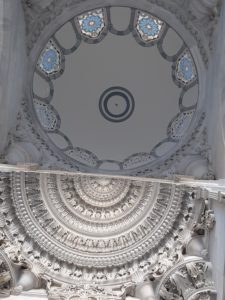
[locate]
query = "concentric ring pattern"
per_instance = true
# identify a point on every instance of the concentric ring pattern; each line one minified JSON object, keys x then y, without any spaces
{"x":94,"y":221}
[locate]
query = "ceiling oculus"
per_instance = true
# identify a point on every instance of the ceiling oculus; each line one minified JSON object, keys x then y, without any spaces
{"x":118,"y":103}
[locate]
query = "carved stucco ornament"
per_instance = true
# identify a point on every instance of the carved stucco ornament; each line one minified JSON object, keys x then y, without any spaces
{"x":5,"y":278}
{"x":85,"y":291}
{"x":191,"y":159}
{"x":188,"y":280}
{"x":30,"y":241}
{"x":17,"y":273}
{"x":8,"y":285}
{"x":93,"y":229}
{"x":110,"y":220}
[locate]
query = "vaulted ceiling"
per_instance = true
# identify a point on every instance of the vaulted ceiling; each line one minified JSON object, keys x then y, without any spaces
{"x":112,"y":88}
{"x":116,"y":88}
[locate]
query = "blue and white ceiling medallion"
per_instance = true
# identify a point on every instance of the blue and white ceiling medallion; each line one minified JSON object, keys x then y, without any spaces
{"x":50,"y":59}
{"x":92,"y":24}
{"x":185,"y":70}
{"x":47,"y":116}
{"x":148,"y":28}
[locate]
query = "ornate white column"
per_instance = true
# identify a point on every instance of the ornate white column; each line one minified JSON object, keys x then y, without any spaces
{"x":188,"y":280}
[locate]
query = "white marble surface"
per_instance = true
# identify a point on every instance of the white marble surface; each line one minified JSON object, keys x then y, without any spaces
{"x":12,"y":64}
{"x":217,"y":249}
{"x":216,"y":101}
{"x":1,"y":31}
{"x":31,"y":295}
{"x":216,"y":130}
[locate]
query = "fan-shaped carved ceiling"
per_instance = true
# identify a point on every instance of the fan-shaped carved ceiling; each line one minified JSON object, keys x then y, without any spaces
{"x":79,"y":227}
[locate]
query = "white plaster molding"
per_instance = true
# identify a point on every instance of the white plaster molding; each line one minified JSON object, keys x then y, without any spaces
{"x":85,"y":291}
{"x":179,"y":180}
{"x":216,"y":246}
{"x":119,"y":244}
{"x":30,"y":295}
{"x":34,"y":197}
{"x":186,"y":280}
{"x":22,"y":152}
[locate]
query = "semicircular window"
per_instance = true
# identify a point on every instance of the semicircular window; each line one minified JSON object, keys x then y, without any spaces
{"x":115,"y":88}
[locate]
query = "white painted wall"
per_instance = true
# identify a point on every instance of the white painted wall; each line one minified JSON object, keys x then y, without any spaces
{"x":216,"y":101}
{"x":217,"y":249}
{"x":216,"y":130}
{"x":12,"y":64}
{"x":32,"y":295}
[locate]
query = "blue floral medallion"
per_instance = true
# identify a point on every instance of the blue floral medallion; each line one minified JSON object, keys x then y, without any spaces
{"x":50,"y":59}
{"x":92,"y":23}
{"x":185,"y":69}
{"x":148,"y":27}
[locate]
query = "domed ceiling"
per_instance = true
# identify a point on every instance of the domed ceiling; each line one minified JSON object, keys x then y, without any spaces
{"x":106,"y":229}
{"x":118,"y":90}
{"x":115,"y":89}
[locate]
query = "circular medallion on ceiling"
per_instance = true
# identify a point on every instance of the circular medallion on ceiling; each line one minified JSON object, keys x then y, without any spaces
{"x":135,"y":70}
{"x":94,"y":221}
{"x":62,"y":226}
{"x":101,"y":192}
{"x":116,"y":104}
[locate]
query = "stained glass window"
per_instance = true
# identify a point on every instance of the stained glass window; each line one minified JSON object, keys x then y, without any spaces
{"x":50,"y":59}
{"x":92,"y":23}
{"x":185,"y":69}
{"x":148,"y":27}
